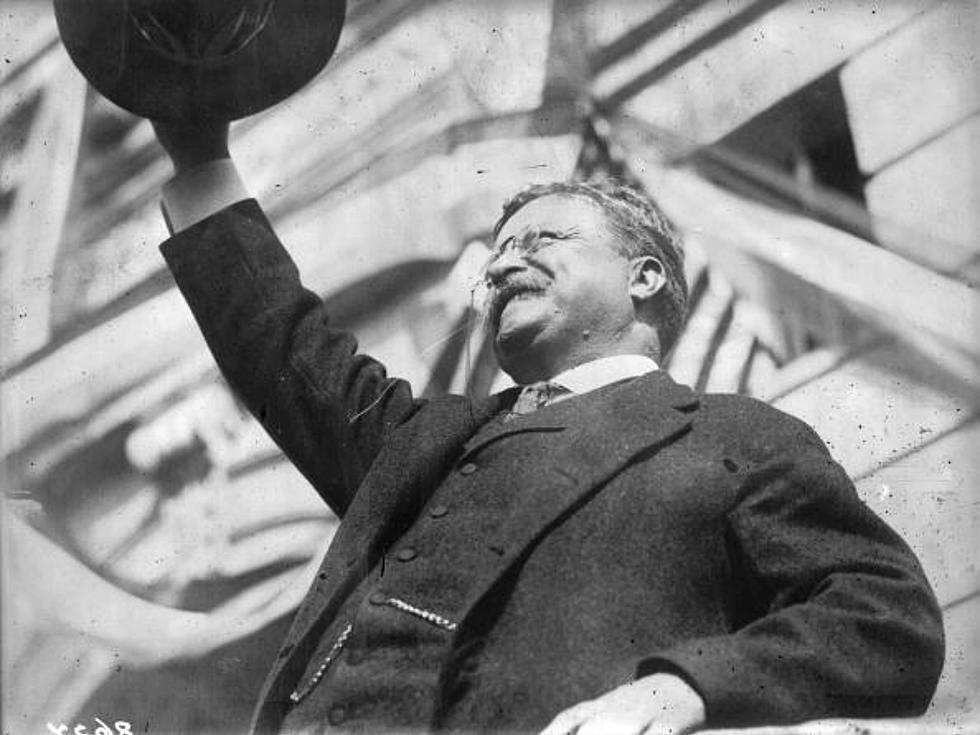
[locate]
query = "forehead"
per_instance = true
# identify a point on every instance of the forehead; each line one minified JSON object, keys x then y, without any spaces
{"x":561,"y":212}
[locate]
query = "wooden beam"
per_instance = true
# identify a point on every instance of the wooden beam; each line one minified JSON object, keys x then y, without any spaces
{"x":658,"y":24}
{"x":687,"y":53}
{"x":567,"y":70}
{"x":933,"y":192}
{"x":751,"y":61}
{"x":913,"y":84}
{"x":33,"y":231}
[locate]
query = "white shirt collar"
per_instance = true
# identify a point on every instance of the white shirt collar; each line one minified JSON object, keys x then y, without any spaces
{"x":598,"y":373}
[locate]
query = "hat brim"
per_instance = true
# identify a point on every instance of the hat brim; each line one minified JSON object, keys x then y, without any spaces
{"x":297,"y":40}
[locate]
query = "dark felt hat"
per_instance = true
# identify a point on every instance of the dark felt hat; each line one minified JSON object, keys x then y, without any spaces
{"x":199,"y":59}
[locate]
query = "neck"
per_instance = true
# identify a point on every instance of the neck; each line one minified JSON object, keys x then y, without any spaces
{"x":638,"y":339}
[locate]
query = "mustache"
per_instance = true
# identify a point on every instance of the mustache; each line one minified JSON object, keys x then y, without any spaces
{"x":498,"y":296}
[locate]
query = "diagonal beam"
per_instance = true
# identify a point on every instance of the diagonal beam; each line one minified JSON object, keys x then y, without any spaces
{"x":642,"y":34}
{"x":687,"y":53}
{"x":34,"y":229}
{"x":567,"y":71}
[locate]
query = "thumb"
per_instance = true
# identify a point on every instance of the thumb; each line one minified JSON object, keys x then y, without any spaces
{"x":570,"y":719}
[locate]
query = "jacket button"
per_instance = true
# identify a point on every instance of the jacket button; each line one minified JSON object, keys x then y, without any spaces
{"x":467,"y":469}
{"x":406,"y":554}
{"x":378,"y":598}
{"x":336,"y":715}
{"x":438,"y":511}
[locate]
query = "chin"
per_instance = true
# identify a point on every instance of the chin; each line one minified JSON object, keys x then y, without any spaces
{"x":516,"y":355}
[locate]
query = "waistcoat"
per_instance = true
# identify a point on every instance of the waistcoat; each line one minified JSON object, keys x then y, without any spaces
{"x":391,"y":657}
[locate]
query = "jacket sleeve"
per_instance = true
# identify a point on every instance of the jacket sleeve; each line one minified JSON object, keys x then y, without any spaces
{"x":328,"y":408}
{"x":842,"y":619}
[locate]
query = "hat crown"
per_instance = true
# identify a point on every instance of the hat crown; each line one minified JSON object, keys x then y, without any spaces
{"x":199,"y":59}
{"x":199,"y":31}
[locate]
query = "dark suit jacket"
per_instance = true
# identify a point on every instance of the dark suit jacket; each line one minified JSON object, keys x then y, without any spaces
{"x":710,"y":536}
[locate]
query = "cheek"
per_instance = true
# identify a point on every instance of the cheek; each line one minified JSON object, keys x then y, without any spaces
{"x":602,"y":294}
{"x":590,"y":309}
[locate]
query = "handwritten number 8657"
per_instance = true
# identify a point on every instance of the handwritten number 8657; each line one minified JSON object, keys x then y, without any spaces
{"x":121,"y":728}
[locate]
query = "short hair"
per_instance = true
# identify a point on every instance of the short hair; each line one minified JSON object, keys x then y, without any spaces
{"x":640,"y":228}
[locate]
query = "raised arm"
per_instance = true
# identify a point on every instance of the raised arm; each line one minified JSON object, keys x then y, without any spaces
{"x":327,"y":407}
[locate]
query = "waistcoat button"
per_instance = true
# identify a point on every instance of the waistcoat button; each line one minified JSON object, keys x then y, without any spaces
{"x":438,"y":511}
{"x":336,"y":715}
{"x":406,"y":554}
{"x":467,"y":469}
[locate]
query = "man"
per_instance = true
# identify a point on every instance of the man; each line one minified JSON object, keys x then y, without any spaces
{"x":629,"y":557}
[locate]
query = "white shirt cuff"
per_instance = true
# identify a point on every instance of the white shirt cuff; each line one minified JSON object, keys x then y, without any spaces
{"x":196,"y":194}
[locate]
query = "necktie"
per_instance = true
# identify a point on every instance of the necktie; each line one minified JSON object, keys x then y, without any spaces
{"x":538,"y":395}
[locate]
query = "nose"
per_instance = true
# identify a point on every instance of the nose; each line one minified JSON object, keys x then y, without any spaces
{"x":503,"y":265}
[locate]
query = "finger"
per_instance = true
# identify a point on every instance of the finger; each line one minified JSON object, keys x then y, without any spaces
{"x":665,"y":728}
{"x":604,"y":723}
{"x":568,"y":720}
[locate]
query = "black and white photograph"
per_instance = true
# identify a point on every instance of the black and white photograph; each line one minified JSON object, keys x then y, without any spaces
{"x":518,"y":367}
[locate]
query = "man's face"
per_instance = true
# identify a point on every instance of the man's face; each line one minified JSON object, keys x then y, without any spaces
{"x":558,"y":288}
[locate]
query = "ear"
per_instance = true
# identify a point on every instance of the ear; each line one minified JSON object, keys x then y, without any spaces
{"x":647,"y":277}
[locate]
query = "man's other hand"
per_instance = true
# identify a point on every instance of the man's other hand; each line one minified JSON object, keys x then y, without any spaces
{"x":191,"y":144}
{"x":660,"y":703}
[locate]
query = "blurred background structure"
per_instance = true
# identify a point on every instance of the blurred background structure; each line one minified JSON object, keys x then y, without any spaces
{"x":821,"y":159}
